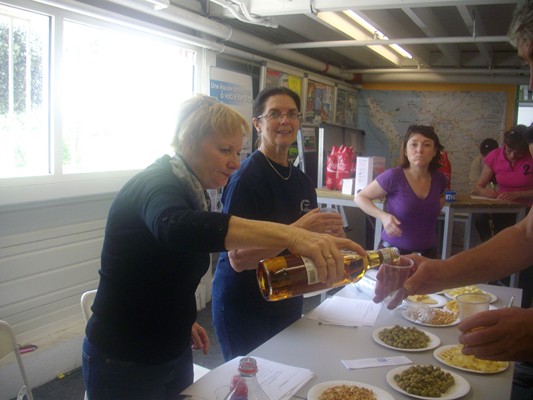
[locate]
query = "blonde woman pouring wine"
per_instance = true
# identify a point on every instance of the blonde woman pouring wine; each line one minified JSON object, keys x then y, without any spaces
{"x":158,"y":237}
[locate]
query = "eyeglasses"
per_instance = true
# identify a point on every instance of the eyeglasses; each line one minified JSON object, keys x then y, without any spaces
{"x":293,"y":115}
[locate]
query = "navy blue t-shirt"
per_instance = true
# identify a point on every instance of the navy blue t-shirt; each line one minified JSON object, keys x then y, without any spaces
{"x":257,"y":192}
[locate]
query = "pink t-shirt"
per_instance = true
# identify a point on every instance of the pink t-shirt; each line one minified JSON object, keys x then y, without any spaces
{"x":511,"y":178}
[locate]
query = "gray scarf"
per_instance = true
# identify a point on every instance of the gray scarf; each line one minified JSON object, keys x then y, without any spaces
{"x":185,"y":174}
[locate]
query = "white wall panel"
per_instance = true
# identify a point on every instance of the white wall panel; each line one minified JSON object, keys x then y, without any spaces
{"x":49,"y":256}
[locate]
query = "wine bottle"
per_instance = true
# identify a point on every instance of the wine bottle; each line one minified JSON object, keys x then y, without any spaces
{"x":292,"y":275}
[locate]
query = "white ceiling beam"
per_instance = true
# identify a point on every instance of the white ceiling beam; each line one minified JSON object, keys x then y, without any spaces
{"x":288,"y":7}
{"x":430,"y":24}
{"x":475,"y":27}
{"x":464,"y":71}
{"x":386,"y":23}
{"x":373,"y":42}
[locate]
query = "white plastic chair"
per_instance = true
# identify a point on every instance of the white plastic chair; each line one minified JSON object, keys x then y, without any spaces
{"x":8,"y":344}
{"x":87,"y":300}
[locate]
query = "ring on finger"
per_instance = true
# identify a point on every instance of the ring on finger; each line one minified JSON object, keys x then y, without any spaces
{"x":329,"y":257}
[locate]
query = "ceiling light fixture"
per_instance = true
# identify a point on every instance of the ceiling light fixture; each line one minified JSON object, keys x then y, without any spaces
{"x":362,"y":30}
{"x":338,"y":21}
{"x":159,"y":4}
{"x":377,"y":34}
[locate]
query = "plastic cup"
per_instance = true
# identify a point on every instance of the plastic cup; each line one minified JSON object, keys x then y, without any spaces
{"x":329,"y":209}
{"x":472,"y":303}
{"x":393,"y":278}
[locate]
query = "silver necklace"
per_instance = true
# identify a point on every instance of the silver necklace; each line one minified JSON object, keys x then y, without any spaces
{"x":276,"y":171}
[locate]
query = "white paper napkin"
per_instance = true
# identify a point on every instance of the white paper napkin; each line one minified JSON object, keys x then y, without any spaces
{"x":376,"y":362}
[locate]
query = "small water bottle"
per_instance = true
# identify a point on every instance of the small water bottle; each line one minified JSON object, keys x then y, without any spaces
{"x":245,"y":385}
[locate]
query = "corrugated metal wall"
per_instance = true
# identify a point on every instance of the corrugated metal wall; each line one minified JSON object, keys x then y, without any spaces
{"x":49,"y":255}
{"x":43,"y":273}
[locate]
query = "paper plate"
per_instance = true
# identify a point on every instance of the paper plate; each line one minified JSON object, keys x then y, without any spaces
{"x":439,"y":300}
{"x":438,"y":354}
{"x":434,"y":340}
{"x":408,"y":317}
{"x":315,"y":392}
{"x":459,"y":389}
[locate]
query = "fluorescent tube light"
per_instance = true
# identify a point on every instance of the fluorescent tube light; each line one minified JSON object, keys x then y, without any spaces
{"x":159,"y":4}
{"x":377,"y":34}
{"x":338,"y":21}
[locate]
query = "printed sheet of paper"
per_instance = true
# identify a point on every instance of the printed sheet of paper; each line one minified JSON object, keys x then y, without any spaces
{"x":279,"y":381}
{"x":346,"y":311}
{"x":476,"y":197}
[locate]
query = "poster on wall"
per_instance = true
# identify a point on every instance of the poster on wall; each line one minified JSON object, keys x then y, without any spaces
{"x":277,"y":78}
{"x":346,"y":109}
{"x":319,"y":102}
{"x":235,"y":90}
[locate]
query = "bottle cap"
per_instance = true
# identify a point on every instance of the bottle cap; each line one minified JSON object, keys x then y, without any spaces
{"x":247,"y":365}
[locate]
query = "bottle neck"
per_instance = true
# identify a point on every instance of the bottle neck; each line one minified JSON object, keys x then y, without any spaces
{"x":388,"y":255}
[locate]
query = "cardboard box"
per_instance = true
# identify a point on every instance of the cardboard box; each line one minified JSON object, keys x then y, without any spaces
{"x":366,"y":170}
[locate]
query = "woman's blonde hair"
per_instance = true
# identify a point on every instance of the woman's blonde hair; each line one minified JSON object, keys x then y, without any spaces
{"x":200,"y":116}
{"x":521,"y":28}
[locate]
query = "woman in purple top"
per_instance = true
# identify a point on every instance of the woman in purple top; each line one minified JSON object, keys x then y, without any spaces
{"x":413,"y":195}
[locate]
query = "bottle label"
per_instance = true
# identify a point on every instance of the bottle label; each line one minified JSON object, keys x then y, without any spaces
{"x":312,"y":272}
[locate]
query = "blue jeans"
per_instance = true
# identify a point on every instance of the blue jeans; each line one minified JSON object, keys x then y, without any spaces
{"x":240,"y":331}
{"x":110,"y":379}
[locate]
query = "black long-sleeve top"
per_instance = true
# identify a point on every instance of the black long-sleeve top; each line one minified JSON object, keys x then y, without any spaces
{"x":155,"y":251}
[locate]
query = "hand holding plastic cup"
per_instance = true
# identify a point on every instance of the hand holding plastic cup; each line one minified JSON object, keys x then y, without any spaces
{"x":472,"y":303}
{"x":333,"y":211}
{"x":393,"y":278}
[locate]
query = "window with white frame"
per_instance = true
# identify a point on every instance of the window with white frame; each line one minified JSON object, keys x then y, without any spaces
{"x":107,"y":103}
{"x":24,"y":108}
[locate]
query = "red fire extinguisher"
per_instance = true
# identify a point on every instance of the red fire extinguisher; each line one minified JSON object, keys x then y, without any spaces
{"x":446,"y":167}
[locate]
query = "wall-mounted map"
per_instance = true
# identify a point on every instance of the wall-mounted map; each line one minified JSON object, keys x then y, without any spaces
{"x":462,"y":119}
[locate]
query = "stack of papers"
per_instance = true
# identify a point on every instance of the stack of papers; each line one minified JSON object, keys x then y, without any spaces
{"x":279,"y":381}
{"x":346,"y":312}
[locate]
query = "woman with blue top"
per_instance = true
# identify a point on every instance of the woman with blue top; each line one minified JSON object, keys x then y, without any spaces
{"x":413,"y":194}
{"x":266,"y":187}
